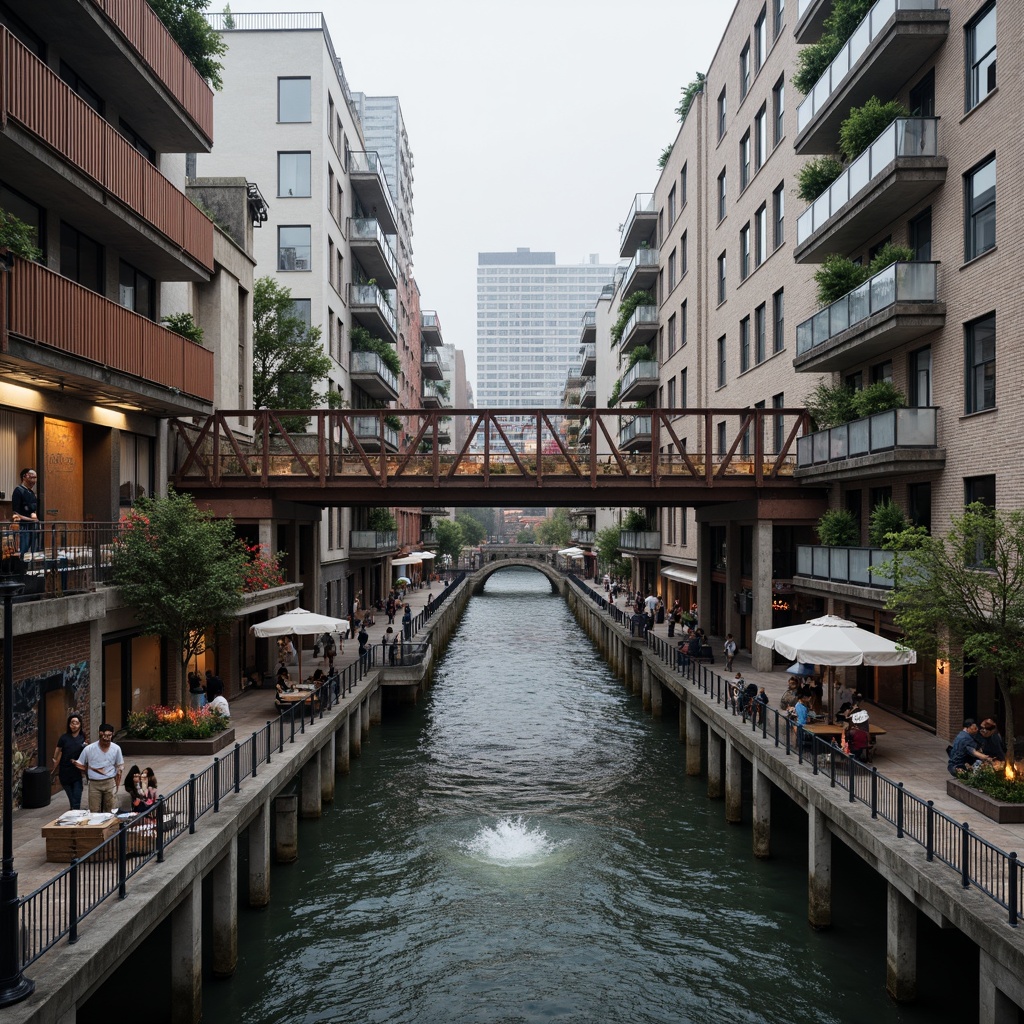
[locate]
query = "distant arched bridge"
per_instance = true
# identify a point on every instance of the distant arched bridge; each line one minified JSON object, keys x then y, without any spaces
{"x":482,"y":575}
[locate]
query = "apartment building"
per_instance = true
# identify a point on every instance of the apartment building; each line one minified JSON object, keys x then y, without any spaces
{"x":732,"y":252}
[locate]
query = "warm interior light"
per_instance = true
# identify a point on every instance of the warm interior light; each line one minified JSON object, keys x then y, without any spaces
{"x":1010,"y":770}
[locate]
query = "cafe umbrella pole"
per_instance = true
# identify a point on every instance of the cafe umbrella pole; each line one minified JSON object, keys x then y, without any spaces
{"x":14,"y":986}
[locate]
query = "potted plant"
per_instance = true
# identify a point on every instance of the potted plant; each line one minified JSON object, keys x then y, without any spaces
{"x":886,"y":518}
{"x":838,"y":528}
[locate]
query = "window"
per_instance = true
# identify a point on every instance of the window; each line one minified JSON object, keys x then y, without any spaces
{"x":760,"y":38}
{"x":919,"y":505}
{"x":981,"y":56}
{"x":920,"y":378}
{"x":672,"y":205}
{"x":779,"y":321}
{"x":671,"y":334}
{"x":682,"y":324}
{"x":980,"y":364}
{"x":744,"y":251}
{"x":721,"y":361}
{"x":779,"y":110}
{"x":81,"y":258}
{"x":671,"y":270}
{"x":136,"y":468}
{"x":25,"y":210}
{"x":881,"y":372}
{"x":683,"y":261}
{"x":721,"y":195}
{"x":745,"y":344}
{"x":980,"y":489}
{"x":78,"y":86}
{"x":779,"y":402}
{"x":760,"y":235}
{"x":302,"y":309}
{"x":919,"y":234}
{"x":293,"y":99}
{"x":136,"y":291}
{"x":682,"y":187}
{"x":745,"y":161}
{"x":294,"y":248}
{"x":778,"y":17}
{"x":138,"y":143}
{"x":779,"y":215}
{"x":671,"y":392}
{"x":922,"y":97}
{"x":760,"y":329}
{"x":760,"y":137}
{"x":721,"y":278}
{"x":721,"y":115}
{"x":721,"y":437}
{"x":683,"y":381}
{"x":980,"y":209}
{"x":293,"y":174}
{"x":744,"y":70}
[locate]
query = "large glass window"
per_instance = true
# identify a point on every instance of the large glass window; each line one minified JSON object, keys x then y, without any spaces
{"x":980,"y":364}
{"x":294,"y":247}
{"x":980,"y":209}
{"x":779,"y":110}
{"x":721,"y":194}
{"x":981,"y":56}
{"x":293,"y":99}
{"x":919,"y":232}
{"x":721,"y":278}
{"x":136,"y":290}
{"x":293,"y":174}
{"x":136,"y":468}
{"x":779,"y":320}
{"x":745,"y":344}
{"x":920,"y":378}
{"x":744,"y":251}
{"x":760,"y":329}
{"x":744,"y":161}
{"x":81,"y":258}
{"x":303,"y":310}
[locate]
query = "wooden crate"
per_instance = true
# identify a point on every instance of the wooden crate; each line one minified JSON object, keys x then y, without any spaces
{"x":66,"y":842}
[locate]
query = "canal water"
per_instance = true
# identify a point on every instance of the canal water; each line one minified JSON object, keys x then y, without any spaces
{"x":524,"y":846}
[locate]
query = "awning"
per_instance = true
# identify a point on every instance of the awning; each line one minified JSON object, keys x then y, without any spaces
{"x":682,"y":575}
{"x":407,"y":560}
{"x":571,"y":553}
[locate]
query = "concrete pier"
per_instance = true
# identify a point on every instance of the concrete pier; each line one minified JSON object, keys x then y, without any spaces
{"x":259,"y":857}
{"x":355,"y":732}
{"x":819,"y":869}
{"x":733,"y":782}
{"x":645,"y":685}
{"x":224,"y":878}
{"x":715,"y":782}
{"x":327,"y":771}
{"x":900,"y":946}
{"x":311,"y":805}
{"x":187,"y":956}
{"x":762,"y":813}
{"x":286,"y":828}
{"x":342,"y":748}
{"x":693,"y":741}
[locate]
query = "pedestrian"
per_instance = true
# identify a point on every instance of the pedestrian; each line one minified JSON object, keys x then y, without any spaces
{"x":103,"y":764}
{"x":364,"y":639}
{"x":69,"y":748}
{"x":354,"y":624}
{"x":407,"y":622}
{"x":215,"y":695}
{"x":326,"y":642}
{"x":25,"y":512}
{"x":390,"y":607}
{"x":196,"y":693}
{"x":390,"y":644}
{"x":730,"y":651}
{"x":991,"y":742}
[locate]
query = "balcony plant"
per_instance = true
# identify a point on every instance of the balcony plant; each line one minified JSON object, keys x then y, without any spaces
{"x":362,"y":340}
{"x":616,"y":391}
{"x":813,"y":61}
{"x":18,"y":237}
{"x":838,"y":528}
{"x":886,"y":518}
{"x":830,"y":405}
{"x":199,"y":40}
{"x":865,"y":123}
{"x":635,"y":521}
{"x":640,"y":354}
{"x":393,"y":422}
{"x":185,"y":325}
{"x":881,"y":396}
{"x":380,"y":520}
{"x":816,"y":175}
{"x":690,"y":92}
{"x":839,"y":275}
{"x":626,"y":310}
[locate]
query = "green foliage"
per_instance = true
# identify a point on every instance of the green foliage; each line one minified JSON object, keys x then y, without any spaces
{"x":229,"y":18}
{"x":816,"y":175}
{"x":287,"y":356}
{"x":526,"y":536}
{"x":627,"y":309}
{"x":606,"y":542}
{"x":993,"y":782}
{"x":556,"y":530}
{"x":362,"y":340}
{"x":486,"y":517}
{"x":178,"y":723}
{"x":888,"y":255}
{"x":880,"y":396}
{"x":640,"y":354}
{"x":19,"y":237}
{"x":690,"y":92}
{"x":380,"y":520}
{"x":838,"y":528}
{"x":813,"y":60}
{"x":450,"y":540}
{"x":663,"y":158}
{"x":200,"y":42}
{"x":473,"y":531}
{"x":865,"y":123}
{"x":836,"y":276}
{"x":635,"y":521}
{"x":185,"y":325}
{"x":394,"y":422}
{"x":181,"y":571}
{"x":613,"y":398}
{"x":886,"y":518}
{"x":830,"y":405}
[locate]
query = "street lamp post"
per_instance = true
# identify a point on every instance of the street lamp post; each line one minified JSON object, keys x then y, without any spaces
{"x":14,"y":986}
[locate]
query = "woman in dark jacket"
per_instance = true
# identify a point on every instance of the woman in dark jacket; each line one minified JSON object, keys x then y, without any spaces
{"x":69,"y":748}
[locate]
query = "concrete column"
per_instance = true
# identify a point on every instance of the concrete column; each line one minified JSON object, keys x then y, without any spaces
{"x":705,"y":563}
{"x":225,"y":912}
{"x":819,"y":870}
{"x":733,"y":561}
{"x":694,"y":739}
{"x":656,"y":697}
{"x":286,"y":828}
{"x":187,"y":956}
{"x":682,"y":719}
{"x":375,"y":705}
{"x":259,"y":857}
{"x":715,"y":787}
{"x":355,"y":732}
{"x":342,"y":751}
{"x":999,"y":992}
{"x":327,"y":771}
{"x":762,"y":813}
{"x":627,"y":666}
{"x":364,"y":708}
{"x":733,"y":782}
{"x":645,"y":685}
{"x":311,"y":806}
{"x":900,"y":946}
{"x":761,"y":614}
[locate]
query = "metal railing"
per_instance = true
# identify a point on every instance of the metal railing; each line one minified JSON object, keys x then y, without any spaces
{"x":843,"y":565}
{"x":371,"y":295}
{"x":643,"y":203}
{"x":899,"y":282}
{"x":905,"y":137}
{"x":58,"y":558}
{"x":370,"y":362}
{"x":368,"y":229}
{"x":373,"y":540}
{"x":642,"y":370}
{"x":894,"y":428}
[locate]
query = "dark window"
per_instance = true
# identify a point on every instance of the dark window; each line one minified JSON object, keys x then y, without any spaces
{"x":25,"y":210}
{"x":760,"y":39}
{"x":853,"y":504}
{"x":779,"y":320}
{"x":919,"y":232}
{"x":721,"y":194}
{"x":721,"y":114}
{"x":682,"y":387}
{"x":779,"y":402}
{"x":744,"y":251}
{"x":671,"y":392}
{"x":878,"y":247}
{"x":760,"y":137}
{"x":671,"y":334}
{"x":922,"y":97}
{"x":682,"y":187}
{"x":721,"y":278}
{"x":744,"y":70}
{"x":136,"y":290}
{"x":980,"y":364}
{"x":919,"y":505}
{"x":672,"y":205}
{"x":980,"y":489}
{"x":981,"y":56}
{"x":293,"y":100}
{"x":745,"y":344}
{"x":778,"y":17}
{"x":745,"y":161}
{"x":683,"y":326}
{"x":683,"y":260}
{"x":81,"y":258}
{"x":881,"y":372}
{"x":721,"y":437}
{"x":77,"y":85}
{"x":139,"y":144}
{"x":980,"y":209}
{"x":779,"y":215}
{"x":920,"y":378}
{"x":760,"y":328}
{"x":721,"y":361}
{"x":760,"y":235}
{"x":671,"y":270}
{"x":779,"y":110}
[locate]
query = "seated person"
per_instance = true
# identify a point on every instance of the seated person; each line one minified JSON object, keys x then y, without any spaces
{"x":789,"y":698}
{"x":317,"y":678}
{"x":857,"y":736}
{"x":136,"y":787}
{"x":284,"y":682}
{"x":964,"y":752}
{"x":991,"y":740}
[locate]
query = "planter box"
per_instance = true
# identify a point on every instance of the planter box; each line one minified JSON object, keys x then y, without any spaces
{"x":997,"y":810}
{"x":146,"y":748}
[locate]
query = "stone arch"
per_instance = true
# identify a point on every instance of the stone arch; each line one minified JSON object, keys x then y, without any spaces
{"x":481,"y":575}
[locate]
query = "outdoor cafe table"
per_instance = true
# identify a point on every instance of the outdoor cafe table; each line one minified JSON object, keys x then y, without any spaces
{"x":835,"y":730}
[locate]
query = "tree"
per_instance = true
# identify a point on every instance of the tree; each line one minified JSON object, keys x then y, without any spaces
{"x":961,"y":597}
{"x":526,"y":536}
{"x":556,"y":530}
{"x":287,"y":357}
{"x":473,"y":531}
{"x":449,"y":539}
{"x":182,"y":571}
{"x":607,"y":544}
{"x":199,"y":40}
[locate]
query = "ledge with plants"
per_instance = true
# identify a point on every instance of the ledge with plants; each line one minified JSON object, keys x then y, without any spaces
{"x":626,"y":310}
{"x":175,"y":730}
{"x":989,"y":790}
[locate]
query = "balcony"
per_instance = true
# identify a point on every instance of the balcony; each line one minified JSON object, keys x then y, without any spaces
{"x":642,"y":273}
{"x":640,"y":541}
{"x":810,"y":19}
{"x":373,"y":250}
{"x":55,"y":144}
{"x":372,"y":436}
{"x":843,"y":565}
{"x":895,"y":37}
{"x":373,"y":311}
{"x":432,"y":365}
{"x":66,"y":337}
{"x":588,"y":327}
{"x":435,"y":510}
{"x":641,"y":328}
{"x":430,"y":329}
{"x":641,"y":380}
{"x":434,"y":395}
{"x":428,"y":538}
{"x":370,"y":374}
{"x":897,"y":442}
{"x":581,"y":536}
{"x":640,"y":224}
{"x":588,"y":360}
{"x":897,"y":305}
{"x":366,"y":177}
{"x":377,"y":541}
{"x":588,"y":394}
{"x":635,"y":434}
{"x":444,"y":433}
{"x":900,"y":168}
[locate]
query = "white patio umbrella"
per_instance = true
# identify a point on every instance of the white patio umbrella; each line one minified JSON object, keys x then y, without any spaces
{"x":407,"y":560}
{"x":302,"y":623}
{"x":573,"y":553}
{"x":833,"y":641}
{"x":424,"y":556}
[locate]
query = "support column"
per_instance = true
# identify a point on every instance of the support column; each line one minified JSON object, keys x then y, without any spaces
{"x":259,"y":857}
{"x":342,"y":748}
{"x":656,"y":697}
{"x":286,"y":828}
{"x":761,"y":611}
{"x":627,"y":666}
{"x":327,"y":771}
{"x":819,"y":870}
{"x":375,"y":706}
{"x":224,"y":878}
{"x":355,"y":732}
{"x":645,"y":685}
{"x":682,"y":719}
{"x":715,"y":787}
{"x":999,"y":992}
{"x":310,"y":805}
{"x":364,"y":709}
{"x":694,"y":739}
{"x":187,"y":956}
{"x":733,"y":782}
{"x":762,"y":813}
{"x":900,"y":946}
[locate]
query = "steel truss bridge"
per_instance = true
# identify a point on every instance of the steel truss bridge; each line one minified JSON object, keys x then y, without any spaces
{"x":359,"y":458}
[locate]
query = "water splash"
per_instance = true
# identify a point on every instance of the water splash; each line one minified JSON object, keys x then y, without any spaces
{"x":511,"y":843}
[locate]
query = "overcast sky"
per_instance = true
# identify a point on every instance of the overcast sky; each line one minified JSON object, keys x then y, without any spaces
{"x":532,"y":123}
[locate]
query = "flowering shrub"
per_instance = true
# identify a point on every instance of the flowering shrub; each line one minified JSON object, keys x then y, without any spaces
{"x":175,"y":723}
{"x":994,"y":782}
{"x":264,"y":569}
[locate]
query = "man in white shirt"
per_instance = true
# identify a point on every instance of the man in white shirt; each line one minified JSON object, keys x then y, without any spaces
{"x":103,"y":765}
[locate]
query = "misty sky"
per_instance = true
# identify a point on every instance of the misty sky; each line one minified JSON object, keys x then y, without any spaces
{"x":532,"y":123}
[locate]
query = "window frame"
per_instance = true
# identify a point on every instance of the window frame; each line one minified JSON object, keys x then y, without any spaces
{"x":309,"y":174}
{"x":722,"y":278}
{"x":778,"y":321}
{"x":745,"y":160}
{"x":975,"y":65}
{"x":980,"y":367}
{"x":722,"y":361}
{"x":760,"y":234}
{"x":745,"y":251}
{"x":745,"y":70}
{"x":295,"y":78}
{"x":778,"y":215}
{"x":761,"y":333}
{"x":745,"y":344}
{"x":779,"y":110}
{"x":292,"y":227}
{"x":977,"y":214}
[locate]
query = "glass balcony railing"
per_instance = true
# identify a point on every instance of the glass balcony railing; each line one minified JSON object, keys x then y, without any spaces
{"x":368,"y":229}
{"x":899,"y":282}
{"x":639,"y":223}
{"x":640,"y":540}
{"x":894,"y":428}
{"x":370,"y":362}
{"x":367,"y":430}
{"x":371,"y":295}
{"x":645,"y":369}
{"x":581,"y":536}
{"x":638,"y":427}
{"x":644,"y":262}
{"x":905,"y":137}
{"x":643,"y":317}
{"x":843,"y":565}
{"x":854,"y":48}
{"x":373,"y":540}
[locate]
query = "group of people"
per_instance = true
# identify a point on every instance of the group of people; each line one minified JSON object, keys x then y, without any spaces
{"x":693,"y":646}
{"x":974,"y":746}
{"x":76,"y":760}
{"x":208,"y":691}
